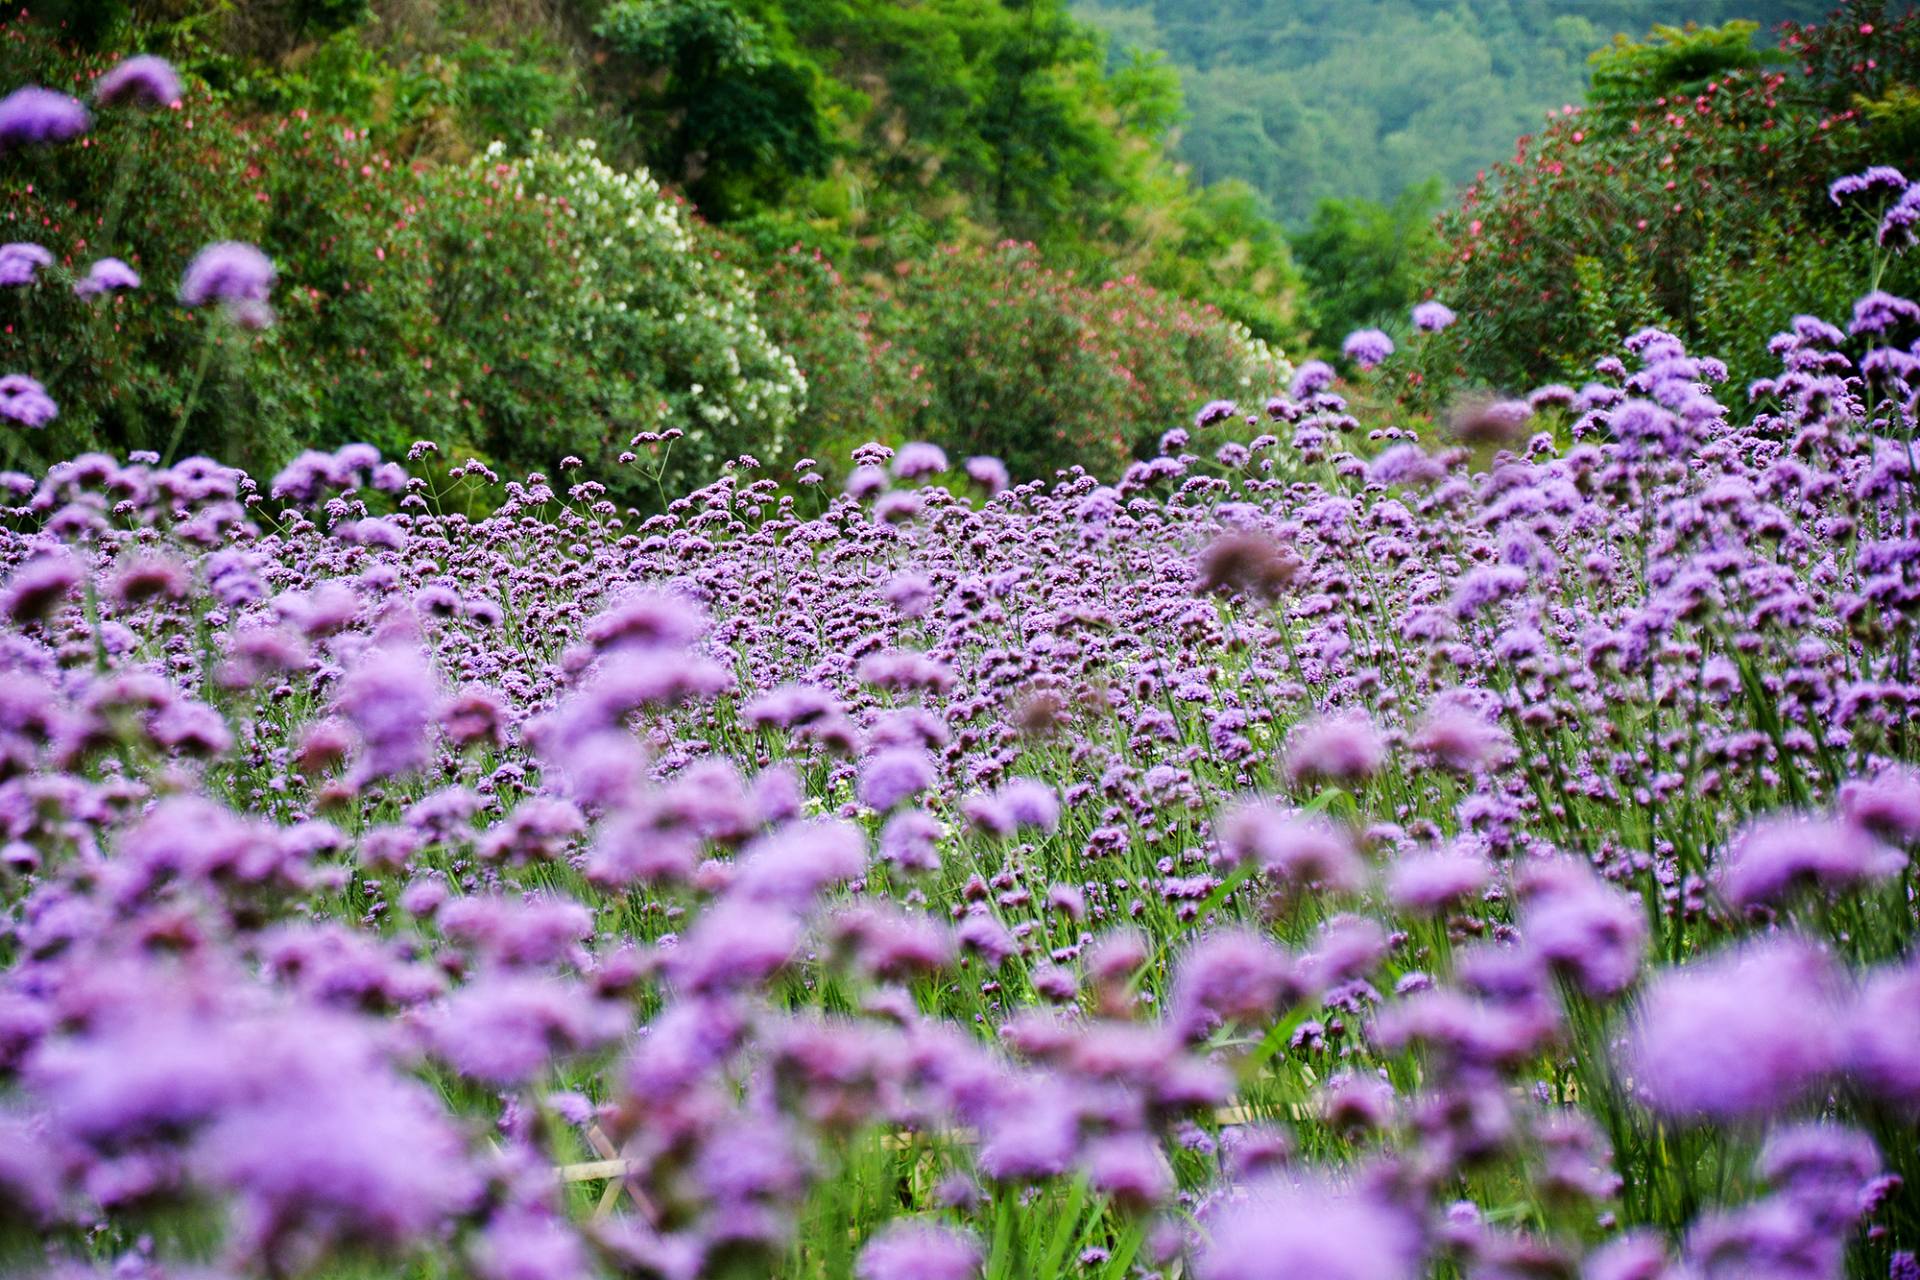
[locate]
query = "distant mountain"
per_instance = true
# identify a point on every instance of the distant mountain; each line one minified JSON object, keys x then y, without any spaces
{"x":1305,"y":99}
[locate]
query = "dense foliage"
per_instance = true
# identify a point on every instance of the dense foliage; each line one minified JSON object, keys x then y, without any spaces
{"x":1364,"y":98}
{"x":533,"y":303}
{"x":1684,"y":209}
{"x":991,"y":351}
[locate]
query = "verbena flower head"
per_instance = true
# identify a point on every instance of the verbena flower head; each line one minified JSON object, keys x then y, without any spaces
{"x":1367,"y":347}
{"x":142,"y":80}
{"x":919,"y":459}
{"x":21,"y":261}
{"x":26,"y":402}
{"x":33,"y":115}
{"x":989,"y":473}
{"x":1779,"y":857}
{"x":107,"y":275}
{"x":1250,"y":564}
{"x":1344,"y":749}
{"x":1706,"y":1046}
{"x":1897,"y":225}
{"x":1311,"y":378}
{"x":1881,"y":178}
{"x":907,"y":1250}
{"x":1881,"y":313}
{"x":1214,"y":411}
{"x":1432,"y":317}
{"x":1883,"y":1027}
{"x":1298,"y":1227}
{"x":229,"y":272}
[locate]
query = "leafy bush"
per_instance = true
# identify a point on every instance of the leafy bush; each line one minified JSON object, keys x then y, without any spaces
{"x":1044,"y":370}
{"x":1665,"y":210}
{"x":526,"y":308}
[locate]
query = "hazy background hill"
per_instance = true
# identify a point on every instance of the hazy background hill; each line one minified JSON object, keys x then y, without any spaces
{"x":1309,"y":99}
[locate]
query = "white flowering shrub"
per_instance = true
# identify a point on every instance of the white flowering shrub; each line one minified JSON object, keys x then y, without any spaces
{"x":593,"y":323}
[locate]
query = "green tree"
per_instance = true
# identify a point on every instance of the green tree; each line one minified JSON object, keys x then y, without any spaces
{"x":1364,"y":261}
{"x":732,"y":119}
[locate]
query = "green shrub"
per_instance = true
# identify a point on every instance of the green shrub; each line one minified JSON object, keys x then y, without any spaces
{"x":1043,"y":369}
{"x":1679,"y":210}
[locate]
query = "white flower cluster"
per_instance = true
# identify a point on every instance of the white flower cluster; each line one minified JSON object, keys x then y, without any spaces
{"x":649,"y":296}
{"x":1262,"y":366}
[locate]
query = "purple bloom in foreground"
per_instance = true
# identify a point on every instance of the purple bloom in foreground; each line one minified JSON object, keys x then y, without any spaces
{"x":1432,"y":317}
{"x":1883,"y":1040}
{"x":1897,"y":226}
{"x":919,"y":459}
{"x":1707,"y":1047}
{"x":1306,"y":1231}
{"x":33,"y":114}
{"x":1880,"y":311}
{"x":989,"y":473}
{"x":1776,"y":859}
{"x":906,"y":1250}
{"x":1343,"y":749}
{"x":142,"y":81}
{"x":21,"y":261}
{"x":227,"y":271}
{"x":893,"y":776}
{"x":108,"y":275}
{"x":1880,"y":177}
{"x":26,"y":402}
{"x":1367,"y":347}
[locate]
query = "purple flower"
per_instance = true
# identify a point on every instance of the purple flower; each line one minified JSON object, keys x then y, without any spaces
{"x":1705,"y":1048}
{"x":1586,"y":929}
{"x":392,"y":700}
{"x":1297,"y":849}
{"x":505,"y":1029}
{"x":1344,"y":749}
{"x":1428,"y":883}
{"x":800,"y":861}
{"x":1311,"y":378}
{"x":907,"y":1250}
{"x":1897,"y":225}
{"x":21,"y":261}
{"x":26,"y":402}
{"x":522,"y":1245}
{"x":648,"y":620}
{"x":1459,"y":740}
{"x":1367,"y":347}
{"x":142,"y":81}
{"x":989,"y":473}
{"x":33,"y":114}
{"x":1214,"y":411}
{"x":1432,"y":317}
{"x":893,"y":776}
{"x":1888,"y":806}
{"x":108,"y":275}
{"x":1130,"y":1170}
{"x":919,"y":459}
{"x":1777,"y":858}
{"x":1883,"y":1030}
{"x":230,"y":272}
{"x":1285,"y":1226}
{"x":1231,"y":976}
{"x":39,"y":586}
{"x":1881,"y":312}
{"x":1880,"y":177}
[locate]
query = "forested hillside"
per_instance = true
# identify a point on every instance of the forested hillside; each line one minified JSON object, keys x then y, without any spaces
{"x":1363,"y":98}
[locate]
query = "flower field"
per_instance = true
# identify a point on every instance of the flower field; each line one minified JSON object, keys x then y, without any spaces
{"x":1327,"y":850}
